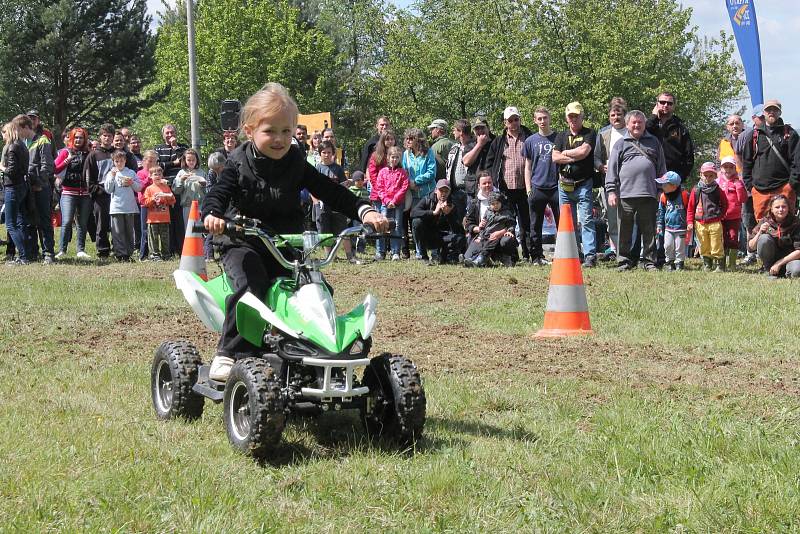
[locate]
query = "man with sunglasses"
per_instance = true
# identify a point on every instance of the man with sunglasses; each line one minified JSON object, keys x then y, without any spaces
{"x":675,"y":139}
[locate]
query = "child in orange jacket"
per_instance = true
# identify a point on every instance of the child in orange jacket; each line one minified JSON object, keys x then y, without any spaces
{"x":158,"y":197}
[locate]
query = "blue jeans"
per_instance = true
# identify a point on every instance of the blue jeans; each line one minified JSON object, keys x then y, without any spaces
{"x":396,"y":242}
{"x":581,"y":200}
{"x":41,"y":229}
{"x":69,"y":206}
{"x":15,"y":221}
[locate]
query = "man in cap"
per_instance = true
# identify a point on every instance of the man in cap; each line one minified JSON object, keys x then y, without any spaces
{"x":440,"y":145}
{"x":573,"y":152}
{"x":41,"y":181}
{"x":770,"y":160}
{"x":437,"y":224}
{"x":507,"y":165}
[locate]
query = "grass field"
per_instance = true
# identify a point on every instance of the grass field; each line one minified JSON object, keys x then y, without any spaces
{"x":680,"y":414}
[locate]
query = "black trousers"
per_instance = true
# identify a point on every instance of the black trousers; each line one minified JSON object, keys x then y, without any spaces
{"x":102,"y":221}
{"x":538,"y":201}
{"x":492,"y":248}
{"x":449,"y":244}
{"x":177,"y":231}
{"x":249,"y":267}
{"x":518,"y":200}
{"x":642,"y":212}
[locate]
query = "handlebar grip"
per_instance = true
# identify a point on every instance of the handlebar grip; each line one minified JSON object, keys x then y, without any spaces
{"x":198,"y":228}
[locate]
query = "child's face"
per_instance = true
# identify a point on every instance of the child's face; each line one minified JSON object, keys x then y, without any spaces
{"x":119,"y":163}
{"x":669,"y":188}
{"x":326,"y":156}
{"x":272,"y":136}
{"x":728,"y":169}
{"x":709,"y":177}
{"x":191,"y":160}
{"x":157,"y":176}
{"x":394,"y":160}
{"x":495,"y":205}
{"x":359,"y":183}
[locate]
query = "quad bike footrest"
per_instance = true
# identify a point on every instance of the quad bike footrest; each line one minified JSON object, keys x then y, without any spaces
{"x":330,"y":389}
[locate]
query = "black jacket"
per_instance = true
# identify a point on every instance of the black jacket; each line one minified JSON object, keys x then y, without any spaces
{"x":95,"y":167}
{"x":761,"y":167}
{"x":267,"y":189}
{"x":451,"y":222}
{"x":366,"y":152}
{"x":495,"y":158}
{"x":676,"y":142}
{"x":17,"y":160}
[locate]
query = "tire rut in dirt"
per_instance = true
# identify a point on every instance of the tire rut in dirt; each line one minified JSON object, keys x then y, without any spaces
{"x":398,"y":399}
{"x":253,"y":409}
{"x":172,"y":376}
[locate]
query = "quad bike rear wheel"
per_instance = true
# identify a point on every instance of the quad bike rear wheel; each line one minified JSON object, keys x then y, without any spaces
{"x":253,"y":409}
{"x":172,"y":376}
{"x":395,"y":405}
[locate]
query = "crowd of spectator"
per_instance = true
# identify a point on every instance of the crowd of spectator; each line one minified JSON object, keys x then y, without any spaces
{"x":477,"y":198}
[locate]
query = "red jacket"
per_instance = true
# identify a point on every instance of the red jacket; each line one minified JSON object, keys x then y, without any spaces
{"x":392,"y":185}
{"x":737,"y":195}
{"x":706,"y":207}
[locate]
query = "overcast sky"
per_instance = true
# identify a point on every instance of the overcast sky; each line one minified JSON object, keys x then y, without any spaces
{"x":779,"y":26}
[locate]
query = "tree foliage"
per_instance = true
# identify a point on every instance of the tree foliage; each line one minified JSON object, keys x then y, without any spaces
{"x":451,"y":59}
{"x":79,"y":62}
{"x":240,"y":46}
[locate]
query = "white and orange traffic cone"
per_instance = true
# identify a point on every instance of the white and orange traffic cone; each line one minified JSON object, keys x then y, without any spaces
{"x":193,"y":259}
{"x":567,"y":311}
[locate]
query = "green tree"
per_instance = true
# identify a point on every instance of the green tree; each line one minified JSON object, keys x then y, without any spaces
{"x":79,"y":62}
{"x":450,"y":59}
{"x":240,"y":46}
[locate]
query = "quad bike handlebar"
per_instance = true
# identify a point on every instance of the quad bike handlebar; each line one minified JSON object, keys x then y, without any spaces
{"x":305,"y":243}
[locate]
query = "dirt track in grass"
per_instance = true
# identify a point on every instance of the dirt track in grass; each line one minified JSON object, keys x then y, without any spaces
{"x":456,"y":345}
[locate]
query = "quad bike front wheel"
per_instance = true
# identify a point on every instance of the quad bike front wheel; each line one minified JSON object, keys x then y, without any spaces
{"x":172,"y":376}
{"x":253,"y":409}
{"x":395,"y":405}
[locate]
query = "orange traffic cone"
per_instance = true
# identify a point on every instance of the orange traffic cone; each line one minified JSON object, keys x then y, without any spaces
{"x":567,"y":311}
{"x":193,"y":258}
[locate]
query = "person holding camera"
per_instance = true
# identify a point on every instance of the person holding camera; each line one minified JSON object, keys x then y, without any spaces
{"x":573,"y":152}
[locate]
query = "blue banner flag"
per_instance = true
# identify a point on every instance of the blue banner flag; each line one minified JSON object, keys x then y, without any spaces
{"x":745,"y":29}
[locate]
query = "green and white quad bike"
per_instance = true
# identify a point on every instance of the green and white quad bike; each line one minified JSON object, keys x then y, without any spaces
{"x":313,"y":360}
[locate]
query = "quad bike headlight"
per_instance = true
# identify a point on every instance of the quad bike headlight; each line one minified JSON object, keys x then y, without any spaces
{"x":357,"y":347}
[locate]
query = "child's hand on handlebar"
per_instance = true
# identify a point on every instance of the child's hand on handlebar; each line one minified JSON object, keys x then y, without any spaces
{"x":214,"y":225}
{"x":376,"y":220}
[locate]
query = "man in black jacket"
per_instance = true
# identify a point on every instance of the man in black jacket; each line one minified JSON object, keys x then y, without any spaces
{"x":381,"y":125}
{"x":675,"y":139}
{"x":770,"y":160}
{"x":436,"y":223}
{"x":508,"y":171}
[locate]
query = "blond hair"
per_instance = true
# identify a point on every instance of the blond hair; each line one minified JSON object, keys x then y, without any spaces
{"x":10,"y":132}
{"x":271,"y":99}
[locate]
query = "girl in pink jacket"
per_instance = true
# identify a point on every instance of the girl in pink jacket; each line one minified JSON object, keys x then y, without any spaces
{"x":391,"y":185}
{"x":732,"y":186}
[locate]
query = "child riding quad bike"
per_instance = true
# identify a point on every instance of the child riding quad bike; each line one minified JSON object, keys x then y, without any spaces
{"x":310,"y":358}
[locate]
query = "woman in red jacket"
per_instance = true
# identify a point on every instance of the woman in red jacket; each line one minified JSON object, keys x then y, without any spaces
{"x":75,"y":196}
